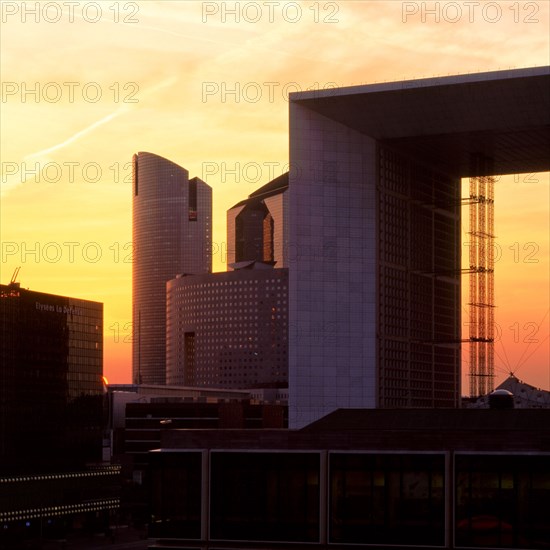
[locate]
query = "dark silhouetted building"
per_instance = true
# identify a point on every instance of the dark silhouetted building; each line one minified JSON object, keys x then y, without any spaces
{"x":51,"y":401}
{"x":172,"y":233}
{"x":144,"y":422}
{"x":257,"y":227}
{"x":360,"y":479}
{"x":229,"y":329}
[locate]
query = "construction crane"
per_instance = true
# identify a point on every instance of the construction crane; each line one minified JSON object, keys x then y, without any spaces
{"x":482,"y":290}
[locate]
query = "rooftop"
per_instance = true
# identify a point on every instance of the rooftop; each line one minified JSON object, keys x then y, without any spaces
{"x":503,"y":116}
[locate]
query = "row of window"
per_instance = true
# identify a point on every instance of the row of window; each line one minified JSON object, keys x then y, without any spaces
{"x":500,"y":501}
{"x":250,"y":307}
{"x":231,"y":283}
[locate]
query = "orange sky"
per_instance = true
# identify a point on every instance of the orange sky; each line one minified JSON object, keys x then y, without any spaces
{"x":150,"y":76}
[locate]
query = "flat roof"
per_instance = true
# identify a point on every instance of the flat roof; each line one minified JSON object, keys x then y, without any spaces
{"x":374,"y":420}
{"x":502,"y":116}
{"x":401,"y":430}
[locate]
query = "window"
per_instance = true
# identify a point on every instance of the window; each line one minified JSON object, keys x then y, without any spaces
{"x":176,"y":498}
{"x":387,"y":499}
{"x":265,"y":496}
{"x":502,"y":501}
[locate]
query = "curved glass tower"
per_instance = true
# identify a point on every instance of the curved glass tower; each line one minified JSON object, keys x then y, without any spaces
{"x":172,"y":234}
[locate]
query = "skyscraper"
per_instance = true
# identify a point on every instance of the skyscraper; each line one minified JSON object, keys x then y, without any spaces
{"x":375,"y":270}
{"x":257,"y":227}
{"x":172,"y":220}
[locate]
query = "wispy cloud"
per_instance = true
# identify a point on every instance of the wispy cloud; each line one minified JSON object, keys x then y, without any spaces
{"x":124,"y":108}
{"x":80,"y":134}
{"x":11,"y":182}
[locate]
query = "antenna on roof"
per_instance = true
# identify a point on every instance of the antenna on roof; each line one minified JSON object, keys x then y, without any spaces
{"x":14,"y":277}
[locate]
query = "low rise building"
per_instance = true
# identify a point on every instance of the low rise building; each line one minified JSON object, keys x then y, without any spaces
{"x":358,"y":478}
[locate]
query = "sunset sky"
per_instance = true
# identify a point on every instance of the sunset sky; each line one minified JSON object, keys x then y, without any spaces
{"x":185,"y":80}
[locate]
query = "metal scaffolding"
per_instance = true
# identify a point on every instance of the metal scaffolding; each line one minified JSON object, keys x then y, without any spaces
{"x":482,"y":290}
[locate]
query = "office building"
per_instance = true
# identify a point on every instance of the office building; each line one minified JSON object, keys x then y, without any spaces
{"x":257,"y":227}
{"x":358,"y":478}
{"x":138,"y":414}
{"x":52,"y":398}
{"x":121,"y":396}
{"x":51,"y":379}
{"x":375,"y":274}
{"x":229,"y":329}
{"x":145,"y":421}
{"x":172,"y":233}
{"x":35,"y":508}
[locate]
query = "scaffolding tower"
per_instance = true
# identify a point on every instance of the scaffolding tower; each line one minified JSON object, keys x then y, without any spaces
{"x":482,"y":290}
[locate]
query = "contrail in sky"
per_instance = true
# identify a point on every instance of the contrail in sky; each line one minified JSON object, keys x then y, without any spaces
{"x":121,"y":110}
{"x":78,"y":135}
{"x":11,"y":182}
